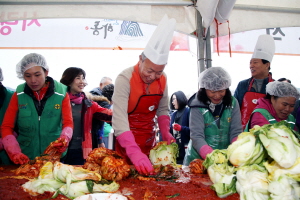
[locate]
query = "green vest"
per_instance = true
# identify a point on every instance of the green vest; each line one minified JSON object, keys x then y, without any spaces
{"x":291,"y":119}
{"x":8,"y":94}
{"x":3,"y":155}
{"x":217,"y":138}
{"x":37,"y":132}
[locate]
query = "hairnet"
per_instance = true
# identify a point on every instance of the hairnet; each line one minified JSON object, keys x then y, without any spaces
{"x":29,"y":61}
{"x":215,"y":79}
{"x":282,"y":89}
{"x":1,"y":75}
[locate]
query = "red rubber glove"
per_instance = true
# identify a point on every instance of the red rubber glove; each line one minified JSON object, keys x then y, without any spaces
{"x":13,"y":150}
{"x":164,"y":126}
{"x":64,"y":139}
{"x":176,"y":127}
{"x":204,"y":150}
{"x":140,"y":161}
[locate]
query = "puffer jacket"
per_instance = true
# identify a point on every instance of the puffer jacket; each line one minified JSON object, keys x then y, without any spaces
{"x":97,"y":125}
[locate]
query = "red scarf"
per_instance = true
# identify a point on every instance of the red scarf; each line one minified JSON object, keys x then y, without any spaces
{"x":76,"y":98}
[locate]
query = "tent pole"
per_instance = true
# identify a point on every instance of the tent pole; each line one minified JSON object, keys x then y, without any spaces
{"x":96,"y":2}
{"x":200,"y":46}
{"x":208,"y":49}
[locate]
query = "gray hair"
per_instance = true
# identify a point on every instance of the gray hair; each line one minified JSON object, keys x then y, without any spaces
{"x":144,"y":57}
{"x":104,"y":79}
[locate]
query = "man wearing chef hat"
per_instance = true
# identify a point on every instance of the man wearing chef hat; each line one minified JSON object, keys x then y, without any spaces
{"x":250,"y":90}
{"x":141,"y":93}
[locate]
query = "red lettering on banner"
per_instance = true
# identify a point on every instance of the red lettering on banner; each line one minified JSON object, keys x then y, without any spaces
{"x":5,"y":28}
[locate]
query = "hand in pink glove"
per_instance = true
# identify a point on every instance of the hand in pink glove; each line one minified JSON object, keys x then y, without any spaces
{"x":234,"y":139}
{"x":62,"y":142}
{"x":13,"y":150}
{"x":164,"y":126}
{"x":176,"y":127}
{"x":204,"y":150}
{"x":140,"y":161}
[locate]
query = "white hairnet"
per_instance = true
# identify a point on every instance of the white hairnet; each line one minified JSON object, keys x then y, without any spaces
{"x":29,"y":61}
{"x":215,"y":79}
{"x":1,"y":75}
{"x":282,"y":89}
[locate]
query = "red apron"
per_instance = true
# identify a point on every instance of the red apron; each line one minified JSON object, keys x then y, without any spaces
{"x":141,"y":123}
{"x":250,"y":102}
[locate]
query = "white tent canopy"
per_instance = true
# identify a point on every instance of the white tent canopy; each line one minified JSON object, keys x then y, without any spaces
{"x":246,"y":15}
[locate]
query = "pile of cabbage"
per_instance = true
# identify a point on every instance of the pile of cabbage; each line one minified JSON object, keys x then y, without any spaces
{"x":68,"y":180}
{"x":261,"y":164}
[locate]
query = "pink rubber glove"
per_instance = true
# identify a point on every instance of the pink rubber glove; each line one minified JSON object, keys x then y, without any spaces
{"x":1,"y":145}
{"x":13,"y":150}
{"x":204,"y":150}
{"x":64,"y":139}
{"x":140,"y":161}
{"x":234,"y":139}
{"x":176,"y":127}
{"x":164,"y":126}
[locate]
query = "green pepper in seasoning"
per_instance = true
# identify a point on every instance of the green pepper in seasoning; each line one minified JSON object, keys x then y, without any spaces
{"x":90,"y":185}
{"x":172,"y":196}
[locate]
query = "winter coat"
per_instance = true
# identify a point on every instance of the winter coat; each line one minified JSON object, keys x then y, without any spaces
{"x":96,"y":91}
{"x":92,"y":111}
{"x":98,"y":126}
{"x":184,"y":138}
{"x":258,"y":119}
{"x":5,"y":96}
{"x":296,"y":113}
{"x":181,"y":117}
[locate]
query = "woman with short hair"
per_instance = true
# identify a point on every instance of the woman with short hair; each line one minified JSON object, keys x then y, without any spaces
{"x":83,"y":111}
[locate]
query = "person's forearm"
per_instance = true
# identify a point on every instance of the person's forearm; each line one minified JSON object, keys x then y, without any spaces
{"x":120,"y":106}
{"x":67,"y":118}
{"x":197,"y":129}
{"x":163,"y":107}
{"x":8,"y":123}
{"x":235,"y":124}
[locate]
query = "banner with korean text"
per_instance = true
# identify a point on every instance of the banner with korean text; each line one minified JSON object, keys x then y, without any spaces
{"x":81,"y":34}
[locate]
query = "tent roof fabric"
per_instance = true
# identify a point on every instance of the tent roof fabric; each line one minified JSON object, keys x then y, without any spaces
{"x":246,"y":15}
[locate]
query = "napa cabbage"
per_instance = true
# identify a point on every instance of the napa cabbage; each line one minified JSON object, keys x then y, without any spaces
{"x":164,"y":154}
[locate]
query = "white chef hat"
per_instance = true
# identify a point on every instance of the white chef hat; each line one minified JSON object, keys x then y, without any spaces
{"x":158,"y":47}
{"x":264,"y":48}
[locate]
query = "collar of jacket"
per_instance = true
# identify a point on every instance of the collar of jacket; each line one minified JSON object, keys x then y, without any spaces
{"x":49,"y":92}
